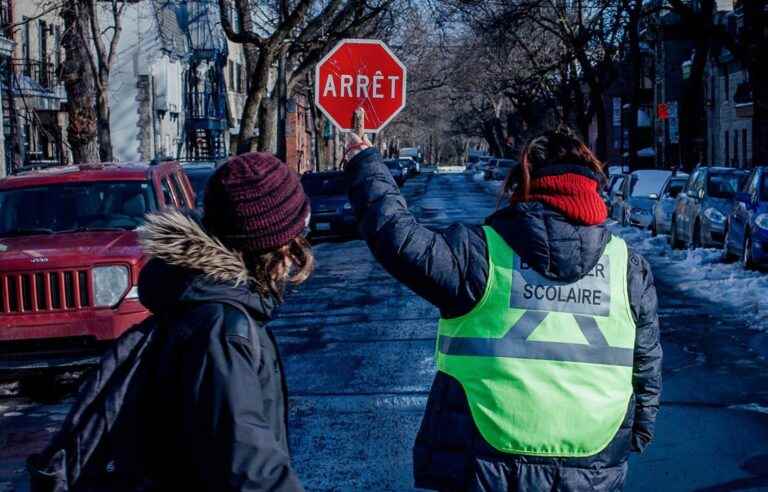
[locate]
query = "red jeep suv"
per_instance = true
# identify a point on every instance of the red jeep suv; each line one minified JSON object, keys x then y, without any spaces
{"x":70,"y":258}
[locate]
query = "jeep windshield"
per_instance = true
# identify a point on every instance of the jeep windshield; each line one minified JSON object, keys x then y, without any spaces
{"x":75,"y":207}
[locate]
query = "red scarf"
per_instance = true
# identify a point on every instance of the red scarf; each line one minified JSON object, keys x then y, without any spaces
{"x":573,"y":195}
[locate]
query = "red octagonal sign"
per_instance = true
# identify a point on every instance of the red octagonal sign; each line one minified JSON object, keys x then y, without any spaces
{"x":360,"y":73}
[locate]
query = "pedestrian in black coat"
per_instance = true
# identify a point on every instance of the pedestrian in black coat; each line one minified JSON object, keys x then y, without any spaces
{"x":218,"y":396}
{"x":555,"y":223}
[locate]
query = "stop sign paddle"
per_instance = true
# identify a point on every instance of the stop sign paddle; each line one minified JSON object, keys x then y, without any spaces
{"x":360,"y":74}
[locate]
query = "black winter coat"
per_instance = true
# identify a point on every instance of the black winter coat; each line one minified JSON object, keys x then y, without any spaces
{"x":449,"y":268}
{"x":219,"y":401}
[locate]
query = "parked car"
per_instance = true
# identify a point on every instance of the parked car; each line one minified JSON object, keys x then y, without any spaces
{"x":397,"y":170}
{"x":411,"y":166}
{"x":488,"y":167}
{"x":331,"y":212}
{"x":665,"y":205}
{"x":501,"y":170}
{"x":746,"y":234}
{"x":614,"y":194}
{"x":70,"y":258}
{"x":642,"y":190}
{"x":701,"y":209}
{"x":198,"y":174}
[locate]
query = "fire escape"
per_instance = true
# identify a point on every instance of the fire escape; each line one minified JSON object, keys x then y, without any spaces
{"x":10,"y":121}
{"x":205,"y":91}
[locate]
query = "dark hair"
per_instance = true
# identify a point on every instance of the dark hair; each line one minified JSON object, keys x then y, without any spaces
{"x":553,"y":147}
{"x":292,"y":264}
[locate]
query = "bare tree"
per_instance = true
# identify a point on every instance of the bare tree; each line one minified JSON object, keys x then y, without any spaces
{"x":100,"y":55}
{"x":300,"y":33}
{"x":79,"y":84}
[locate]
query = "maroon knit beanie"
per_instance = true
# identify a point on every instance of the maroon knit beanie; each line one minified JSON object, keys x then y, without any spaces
{"x":254,"y":203}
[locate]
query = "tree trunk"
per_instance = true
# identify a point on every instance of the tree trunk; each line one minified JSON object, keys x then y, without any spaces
{"x":595,"y":100}
{"x":79,"y":85}
{"x":102,"y":120}
{"x":268,"y":124}
{"x":692,"y":110}
{"x":261,"y":62}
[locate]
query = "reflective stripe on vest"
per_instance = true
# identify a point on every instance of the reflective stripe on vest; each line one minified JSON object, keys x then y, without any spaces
{"x":546,"y":365}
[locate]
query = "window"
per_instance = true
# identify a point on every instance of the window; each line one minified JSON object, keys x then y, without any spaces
{"x":726,"y":84}
{"x":727,"y":147}
{"x":239,"y":78}
{"x":42,"y":41}
{"x":752,"y":183}
{"x":744,"y":147}
{"x":168,"y":200}
{"x":690,"y":184}
{"x":57,"y":44}
{"x":178,"y":190}
{"x":25,"y":41}
{"x":736,"y":148}
{"x":231,"y":69}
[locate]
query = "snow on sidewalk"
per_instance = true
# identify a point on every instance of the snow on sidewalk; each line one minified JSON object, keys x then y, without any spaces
{"x":703,"y":274}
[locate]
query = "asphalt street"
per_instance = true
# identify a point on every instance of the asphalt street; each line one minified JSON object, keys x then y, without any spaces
{"x":358,"y":353}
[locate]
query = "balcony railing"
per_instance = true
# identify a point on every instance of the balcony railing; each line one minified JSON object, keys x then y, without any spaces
{"x":43,"y":73}
{"x":205,"y":105}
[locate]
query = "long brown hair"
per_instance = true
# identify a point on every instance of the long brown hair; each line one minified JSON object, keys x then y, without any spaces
{"x":289,"y":264}
{"x":559,"y":146}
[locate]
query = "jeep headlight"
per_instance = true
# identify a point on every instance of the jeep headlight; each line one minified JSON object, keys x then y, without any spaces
{"x":109,"y":285}
{"x":761,"y":221}
{"x":347,"y":206}
{"x":714,"y":216}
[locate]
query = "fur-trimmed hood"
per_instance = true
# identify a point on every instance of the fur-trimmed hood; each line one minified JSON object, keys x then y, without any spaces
{"x":190,"y":265}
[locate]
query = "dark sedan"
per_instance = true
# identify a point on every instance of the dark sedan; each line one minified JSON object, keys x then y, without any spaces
{"x":331,"y":212}
{"x":398,"y":170}
{"x":747,"y":231}
{"x":198,"y":174}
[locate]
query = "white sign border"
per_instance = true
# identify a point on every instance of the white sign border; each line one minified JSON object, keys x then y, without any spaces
{"x":379,"y":42}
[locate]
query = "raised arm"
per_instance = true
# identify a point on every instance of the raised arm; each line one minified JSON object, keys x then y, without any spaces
{"x":448,"y":268}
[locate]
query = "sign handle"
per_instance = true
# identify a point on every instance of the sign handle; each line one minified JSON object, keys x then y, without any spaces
{"x":358,"y":122}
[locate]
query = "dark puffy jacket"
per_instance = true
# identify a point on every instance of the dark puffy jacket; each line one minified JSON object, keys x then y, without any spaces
{"x":219,"y":402}
{"x":449,"y":268}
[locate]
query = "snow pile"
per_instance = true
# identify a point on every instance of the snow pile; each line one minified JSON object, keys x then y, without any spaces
{"x":703,"y":274}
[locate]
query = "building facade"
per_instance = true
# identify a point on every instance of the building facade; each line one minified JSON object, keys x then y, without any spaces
{"x":729,"y":104}
{"x":39,"y":122}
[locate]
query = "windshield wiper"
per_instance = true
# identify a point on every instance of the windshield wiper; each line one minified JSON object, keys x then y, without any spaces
{"x":27,"y":232}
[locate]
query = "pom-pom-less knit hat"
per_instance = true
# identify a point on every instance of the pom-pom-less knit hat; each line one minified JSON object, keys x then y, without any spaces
{"x":255,"y":203}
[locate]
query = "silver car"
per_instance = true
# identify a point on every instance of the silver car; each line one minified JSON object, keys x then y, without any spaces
{"x":640,"y":190}
{"x":665,"y":205}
